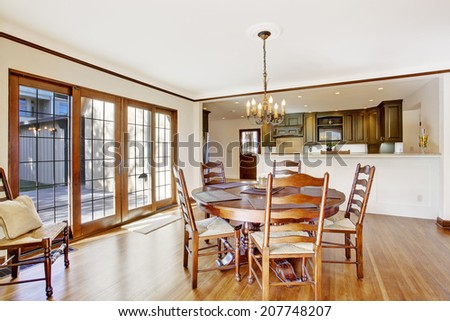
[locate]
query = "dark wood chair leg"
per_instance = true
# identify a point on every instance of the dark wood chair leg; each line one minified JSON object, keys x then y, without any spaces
{"x":46,"y":245}
{"x":219,"y":247}
{"x":185,"y":249}
{"x":66,"y":249}
{"x":15,"y":254}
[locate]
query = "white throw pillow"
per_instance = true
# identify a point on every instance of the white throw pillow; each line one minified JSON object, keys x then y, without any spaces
{"x":18,"y":217}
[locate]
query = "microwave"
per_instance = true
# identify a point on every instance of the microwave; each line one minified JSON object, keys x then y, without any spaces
{"x":329,"y":133}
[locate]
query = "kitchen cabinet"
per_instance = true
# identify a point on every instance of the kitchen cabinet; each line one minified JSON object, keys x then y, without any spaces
{"x":309,"y":128}
{"x":373,"y":125}
{"x":267,"y":139}
{"x":359,"y":127}
{"x":348,"y":132}
{"x":292,"y":125}
{"x":292,"y":120}
{"x":355,"y":127}
{"x":391,"y":121}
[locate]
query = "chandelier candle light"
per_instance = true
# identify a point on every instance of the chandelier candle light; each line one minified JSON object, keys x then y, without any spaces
{"x":266,"y":112}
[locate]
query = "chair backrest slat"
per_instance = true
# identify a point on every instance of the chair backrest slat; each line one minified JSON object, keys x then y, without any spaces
{"x":357,"y":202}
{"x":362,"y":182}
{"x":359,"y":192}
{"x":298,"y":180}
{"x":212,"y":173}
{"x":365,"y":169}
{"x":285,"y":165}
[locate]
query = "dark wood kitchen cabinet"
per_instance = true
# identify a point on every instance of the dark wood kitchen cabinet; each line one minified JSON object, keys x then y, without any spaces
{"x":373,"y":125}
{"x":391,"y":121}
{"x":360,"y":127}
{"x":355,"y":128}
{"x":348,"y":134}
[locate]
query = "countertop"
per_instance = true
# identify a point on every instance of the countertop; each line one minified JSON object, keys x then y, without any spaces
{"x":357,"y":155}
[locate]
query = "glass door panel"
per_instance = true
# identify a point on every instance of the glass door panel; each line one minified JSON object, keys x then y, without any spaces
{"x":98,"y":170}
{"x":139,"y":158}
{"x":163,"y":158}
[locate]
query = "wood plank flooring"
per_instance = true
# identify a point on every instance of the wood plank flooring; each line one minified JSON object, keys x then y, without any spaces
{"x":405,"y":259}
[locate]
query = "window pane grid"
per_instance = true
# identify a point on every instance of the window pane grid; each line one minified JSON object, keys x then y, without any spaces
{"x":139,"y":157}
{"x":44,"y":155}
{"x":98,"y":176}
{"x":163,"y":157}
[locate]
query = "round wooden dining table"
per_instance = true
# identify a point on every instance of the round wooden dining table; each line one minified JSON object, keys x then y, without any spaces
{"x":218,"y":200}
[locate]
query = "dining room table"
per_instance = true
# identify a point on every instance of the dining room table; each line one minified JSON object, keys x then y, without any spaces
{"x":243,"y":202}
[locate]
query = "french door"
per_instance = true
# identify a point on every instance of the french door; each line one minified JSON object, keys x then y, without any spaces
{"x":148,"y":157}
{"x":94,"y":159}
{"x":99,"y":184}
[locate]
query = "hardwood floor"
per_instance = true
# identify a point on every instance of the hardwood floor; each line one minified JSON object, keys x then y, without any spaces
{"x":405,"y":259}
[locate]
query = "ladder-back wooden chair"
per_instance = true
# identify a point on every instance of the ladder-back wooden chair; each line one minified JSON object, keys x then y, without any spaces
{"x":196,"y":231}
{"x":38,"y":241}
{"x":281,"y":168}
{"x":289,"y":234}
{"x":351,"y":221}
{"x":212,"y":173}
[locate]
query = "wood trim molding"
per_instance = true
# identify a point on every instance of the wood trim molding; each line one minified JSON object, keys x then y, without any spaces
{"x":87,"y":64}
{"x":342,"y":83}
{"x":445,"y":224}
{"x":113,"y":73}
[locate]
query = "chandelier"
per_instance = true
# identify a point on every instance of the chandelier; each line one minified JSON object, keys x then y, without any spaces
{"x":265,"y":112}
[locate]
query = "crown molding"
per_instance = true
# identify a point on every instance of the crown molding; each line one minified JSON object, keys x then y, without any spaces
{"x":113,"y":73}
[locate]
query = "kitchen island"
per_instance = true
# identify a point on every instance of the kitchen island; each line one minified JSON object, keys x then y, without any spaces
{"x":404,"y":184}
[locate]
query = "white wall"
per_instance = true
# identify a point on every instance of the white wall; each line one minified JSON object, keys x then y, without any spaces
{"x":225,"y":135}
{"x":23,"y":58}
{"x":411,"y":119}
{"x":425,"y":102}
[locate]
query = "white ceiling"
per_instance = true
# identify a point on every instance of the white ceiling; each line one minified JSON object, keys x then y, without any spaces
{"x":333,"y":98}
{"x":202,"y":48}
